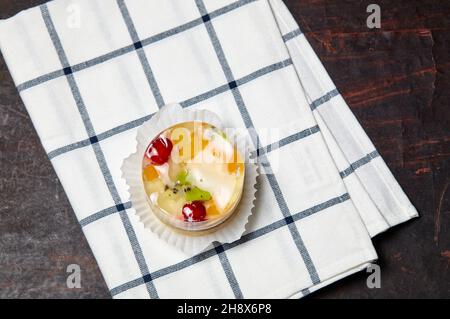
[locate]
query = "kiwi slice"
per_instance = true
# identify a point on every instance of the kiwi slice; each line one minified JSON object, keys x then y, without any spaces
{"x":193,"y":193}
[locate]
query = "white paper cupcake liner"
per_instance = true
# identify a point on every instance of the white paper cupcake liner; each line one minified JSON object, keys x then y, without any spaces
{"x":190,"y":243}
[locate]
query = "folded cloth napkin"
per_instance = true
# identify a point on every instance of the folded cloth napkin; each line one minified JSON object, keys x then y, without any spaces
{"x":90,"y":72}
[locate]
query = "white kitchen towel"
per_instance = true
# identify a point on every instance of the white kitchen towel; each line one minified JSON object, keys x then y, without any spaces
{"x":91,"y":71}
{"x":371,"y":185}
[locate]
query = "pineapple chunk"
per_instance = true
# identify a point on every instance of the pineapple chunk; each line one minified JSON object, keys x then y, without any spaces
{"x":172,"y":201}
{"x":154,"y":186}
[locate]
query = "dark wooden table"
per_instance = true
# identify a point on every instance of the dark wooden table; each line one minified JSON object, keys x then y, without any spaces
{"x":396,"y":80}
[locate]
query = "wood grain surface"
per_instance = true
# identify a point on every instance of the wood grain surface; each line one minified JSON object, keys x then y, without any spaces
{"x":396,"y":80}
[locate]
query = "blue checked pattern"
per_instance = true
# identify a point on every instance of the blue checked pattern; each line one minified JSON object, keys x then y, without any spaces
{"x":233,"y":85}
{"x":249,"y":125}
{"x":245,"y":238}
{"x":120,"y":208}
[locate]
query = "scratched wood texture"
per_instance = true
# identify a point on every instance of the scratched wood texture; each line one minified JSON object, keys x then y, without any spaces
{"x":396,"y":80}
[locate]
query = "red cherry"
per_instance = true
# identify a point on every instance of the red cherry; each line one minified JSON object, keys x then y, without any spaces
{"x":159,"y":150}
{"x":194,"y":212}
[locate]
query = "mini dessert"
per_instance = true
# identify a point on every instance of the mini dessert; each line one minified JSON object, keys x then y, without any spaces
{"x":193,"y":176}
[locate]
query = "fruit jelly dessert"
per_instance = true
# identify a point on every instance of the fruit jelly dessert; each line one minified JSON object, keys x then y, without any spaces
{"x":192,"y":172}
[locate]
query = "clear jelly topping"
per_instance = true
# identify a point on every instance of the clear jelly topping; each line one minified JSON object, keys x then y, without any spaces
{"x":193,"y":176}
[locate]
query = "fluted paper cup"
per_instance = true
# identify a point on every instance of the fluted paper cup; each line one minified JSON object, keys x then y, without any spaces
{"x":189,"y":242}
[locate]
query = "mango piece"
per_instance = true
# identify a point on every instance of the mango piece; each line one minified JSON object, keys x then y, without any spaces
{"x":212,"y":211}
{"x":237,"y":164}
{"x":150,"y":173}
{"x":193,"y":193}
{"x":234,"y":167}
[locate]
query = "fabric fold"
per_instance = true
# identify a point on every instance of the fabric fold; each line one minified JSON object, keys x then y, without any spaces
{"x":372,"y":187}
